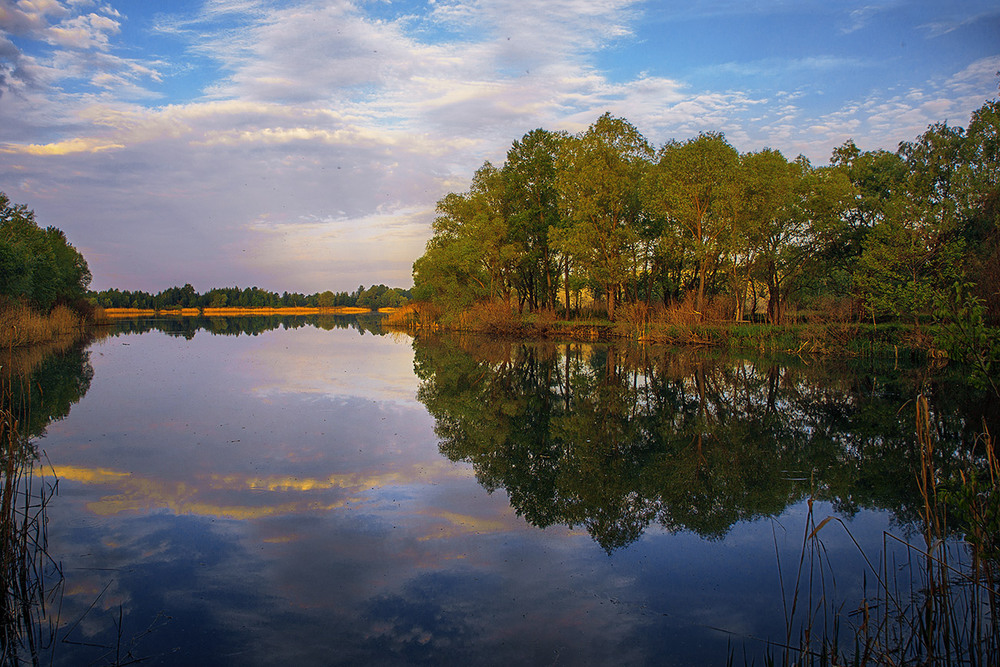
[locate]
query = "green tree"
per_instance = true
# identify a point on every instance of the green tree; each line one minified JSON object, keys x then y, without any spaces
{"x":916,"y":250}
{"x":977,"y":189}
{"x":694,"y":185}
{"x":598,"y":172}
{"x":38,"y":265}
{"x":530,"y":179}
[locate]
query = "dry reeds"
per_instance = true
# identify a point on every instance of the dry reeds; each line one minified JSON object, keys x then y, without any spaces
{"x":414,"y":316}
{"x":30,"y":582}
{"x":21,"y":325}
{"x":932,"y":604}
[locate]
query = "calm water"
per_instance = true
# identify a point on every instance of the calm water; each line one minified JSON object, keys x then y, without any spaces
{"x":316,"y":495}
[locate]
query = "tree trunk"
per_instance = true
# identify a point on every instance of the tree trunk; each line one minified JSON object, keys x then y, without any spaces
{"x":566,"y":284}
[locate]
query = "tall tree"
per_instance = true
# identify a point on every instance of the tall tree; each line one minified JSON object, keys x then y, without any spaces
{"x":774,"y":231}
{"x":38,"y":265}
{"x":694,"y":185}
{"x":530,"y":179}
{"x":977,"y":190}
{"x":470,"y":256}
{"x":597,"y":177}
{"x":916,"y":249}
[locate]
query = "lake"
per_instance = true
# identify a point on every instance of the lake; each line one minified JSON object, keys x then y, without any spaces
{"x":317,"y":492}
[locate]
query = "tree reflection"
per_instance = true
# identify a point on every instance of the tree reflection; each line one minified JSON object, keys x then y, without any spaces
{"x":250,"y":325}
{"x":42,"y":384}
{"x":615,"y":439}
{"x":37,"y":386}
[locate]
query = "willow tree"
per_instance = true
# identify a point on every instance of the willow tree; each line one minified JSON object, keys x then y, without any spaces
{"x":597,"y":176}
{"x":775,"y":229}
{"x":694,"y":186}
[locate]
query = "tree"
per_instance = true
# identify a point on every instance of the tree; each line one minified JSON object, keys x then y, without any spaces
{"x":597,"y":176}
{"x":469,"y":257}
{"x":875,"y":178}
{"x":693,"y":185}
{"x":977,"y":189}
{"x":530,"y":180}
{"x":775,"y":227}
{"x":38,"y":265}
{"x":916,"y":250}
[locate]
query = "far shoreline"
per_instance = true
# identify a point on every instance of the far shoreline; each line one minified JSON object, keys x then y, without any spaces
{"x":118,"y":313}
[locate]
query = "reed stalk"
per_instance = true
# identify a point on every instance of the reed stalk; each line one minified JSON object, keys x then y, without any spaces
{"x":930,"y":604}
{"x":30,"y":582}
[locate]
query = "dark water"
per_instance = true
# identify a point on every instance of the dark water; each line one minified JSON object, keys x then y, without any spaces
{"x":318,"y":493}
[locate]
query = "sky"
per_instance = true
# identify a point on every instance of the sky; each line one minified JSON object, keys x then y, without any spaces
{"x":301,"y":146}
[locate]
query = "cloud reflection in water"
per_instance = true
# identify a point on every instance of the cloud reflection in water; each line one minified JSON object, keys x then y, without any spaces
{"x":280,"y":498}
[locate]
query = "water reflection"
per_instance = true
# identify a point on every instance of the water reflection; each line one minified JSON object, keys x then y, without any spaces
{"x":30,"y":581}
{"x":282,"y":497}
{"x":615,"y":439}
{"x":251,"y":325}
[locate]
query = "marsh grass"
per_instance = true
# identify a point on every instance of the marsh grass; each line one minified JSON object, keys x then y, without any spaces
{"x":931,"y":601}
{"x":21,"y":325}
{"x":413,"y":317}
{"x":31,"y":581}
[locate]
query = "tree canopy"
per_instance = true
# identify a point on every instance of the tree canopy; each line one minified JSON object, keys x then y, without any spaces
{"x":874,"y":234}
{"x":38,"y":266}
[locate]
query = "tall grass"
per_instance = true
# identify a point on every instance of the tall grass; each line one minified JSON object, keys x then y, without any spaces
{"x":30,"y":581}
{"x":413,"y":317}
{"x":21,"y":325}
{"x":932,"y":602}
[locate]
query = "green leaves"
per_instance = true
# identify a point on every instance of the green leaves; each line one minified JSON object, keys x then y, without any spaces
{"x":37,"y":265}
{"x":963,"y":333}
{"x":875,"y":229}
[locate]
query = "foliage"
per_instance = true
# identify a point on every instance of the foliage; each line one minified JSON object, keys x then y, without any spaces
{"x":966,"y":337}
{"x":38,"y":266}
{"x":600,"y":216}
{"x":376,"y":296}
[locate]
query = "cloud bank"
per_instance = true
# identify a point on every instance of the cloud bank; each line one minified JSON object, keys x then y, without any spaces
{"x":302,"y":146}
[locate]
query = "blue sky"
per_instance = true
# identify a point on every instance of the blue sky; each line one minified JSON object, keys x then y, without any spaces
{"x":302,"y":146}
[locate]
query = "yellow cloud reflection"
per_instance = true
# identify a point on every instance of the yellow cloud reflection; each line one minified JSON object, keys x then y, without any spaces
{"x":143,"y":494}
{"x":285,"y":483}
{"x":464,"y":524}
{"x":89,"y":475}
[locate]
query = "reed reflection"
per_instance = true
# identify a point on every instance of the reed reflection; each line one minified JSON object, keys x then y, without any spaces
{"x":617,"y":439}
{"x":31,"y":582}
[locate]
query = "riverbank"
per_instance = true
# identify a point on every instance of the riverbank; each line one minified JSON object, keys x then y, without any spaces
{"x":815,"y":338}
{"x":23,"y":326}
{"x":116,"y":313}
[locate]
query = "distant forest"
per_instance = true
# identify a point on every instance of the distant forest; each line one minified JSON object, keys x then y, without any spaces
{"x":376,"y":296}
{"x":741,"y":235}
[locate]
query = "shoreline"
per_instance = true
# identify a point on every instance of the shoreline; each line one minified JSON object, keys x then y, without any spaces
{"x":117,"y":313}
{"x":803,"y":339}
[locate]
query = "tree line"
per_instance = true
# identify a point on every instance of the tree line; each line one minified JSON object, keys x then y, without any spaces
{"x":38,"y":266}
{"x":872,"y":234}
{"x":376,"y":296}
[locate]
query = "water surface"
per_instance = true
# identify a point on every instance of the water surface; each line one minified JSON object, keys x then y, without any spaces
{"x":327,"y":495}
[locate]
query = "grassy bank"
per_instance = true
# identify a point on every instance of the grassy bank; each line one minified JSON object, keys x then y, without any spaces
{"x":675,"y":328}
{"x":23,"y":326}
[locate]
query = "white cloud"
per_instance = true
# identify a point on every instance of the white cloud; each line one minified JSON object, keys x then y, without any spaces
{"x":315,"y":157}
{"x":91,"y":31}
